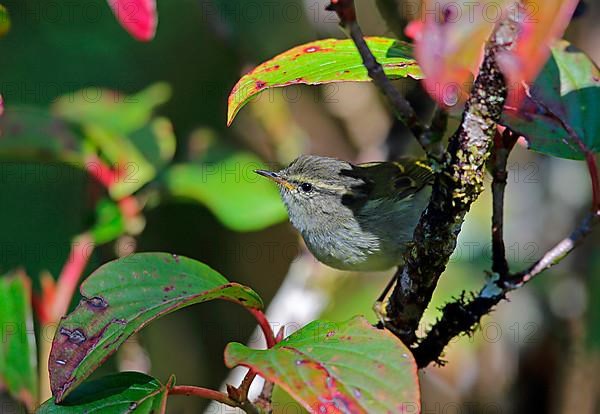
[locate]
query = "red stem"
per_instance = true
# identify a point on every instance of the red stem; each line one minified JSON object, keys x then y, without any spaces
{"x":593,"y":169}
{"x":70,"y":274}
{"x":202,"y":393}
{"x":264,"y":325}
{"x":100,"y":171}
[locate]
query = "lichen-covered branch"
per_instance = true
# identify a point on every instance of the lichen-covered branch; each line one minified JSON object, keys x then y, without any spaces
{"x":456,"y":187}
{"x":463,"y":315}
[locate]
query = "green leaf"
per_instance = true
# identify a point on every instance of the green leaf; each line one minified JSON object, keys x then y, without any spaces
{"x":123,"y":296}
{"x":110,"y":110}
{"x":122,"y":128}
{"x":231,"y":190}
{"x":133,"y":169}
{"x":4,"y":21}
{"x":109,"y":223}
{"x":323,"y":61}
{"x":338,"y":367}
{"x":156,"y":142}
{"x":18,"y":354}
{"x":120,"y":393}
{"x":568,"y":88}
{"x":31,"y":133}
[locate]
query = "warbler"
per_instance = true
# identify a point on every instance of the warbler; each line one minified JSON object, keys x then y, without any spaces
{"x":354,"y":217}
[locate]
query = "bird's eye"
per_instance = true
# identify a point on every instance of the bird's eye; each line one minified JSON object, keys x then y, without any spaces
{"x":306,"y":187}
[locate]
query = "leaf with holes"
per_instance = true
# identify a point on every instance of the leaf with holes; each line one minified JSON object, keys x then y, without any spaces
{"x":323,"y":61}
{"x":338,"y":368}
{"x":18,"y":368}
{"x":138,"y":17}
{"x":123,"y":296}
{"x":231,"y":190}
{"x":565,"y":93}
{"x":120,"y":393}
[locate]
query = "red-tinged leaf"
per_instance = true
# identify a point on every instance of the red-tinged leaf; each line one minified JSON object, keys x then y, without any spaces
{"x":348,"y":367}
{"x":564,"y":96}
{"x":541,"y":23}
{"x":122,"y":297}
{"x":449,"y":40}
{"x":138,"y":17}
{"x":323,"y":61}
{"x":18,"y":368}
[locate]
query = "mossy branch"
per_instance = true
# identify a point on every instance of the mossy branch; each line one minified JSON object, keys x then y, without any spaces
{"x":457,"y":185}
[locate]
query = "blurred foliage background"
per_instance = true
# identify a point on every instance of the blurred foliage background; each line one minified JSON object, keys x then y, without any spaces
{"x":537,"y":352}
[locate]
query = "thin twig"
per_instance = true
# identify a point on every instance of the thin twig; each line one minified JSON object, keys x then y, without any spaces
{"x":503,"y":144}
{"x":264,"y":399}
{"x":439,"y":124}
{"x":589,"y":155}
{"x":462,"y":316}
{"x":264,"y":326}
{"x":263,"y":402}
{"x":203,"y":393}
{"x":70,"y":274}
{"x":401,"y":107}
{"x":245,"y":385}
{"x":558,"y":252}
{"x":240,"y":394}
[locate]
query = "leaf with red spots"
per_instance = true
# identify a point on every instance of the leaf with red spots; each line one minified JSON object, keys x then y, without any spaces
{"x":323,"y":61}
{"x":565,"y":95}
{"x":121,"y":393}
{"x":18,"y":369}
{"x":348,"y":367}
{"x":122,"y":297}
{"x":138,"y":17}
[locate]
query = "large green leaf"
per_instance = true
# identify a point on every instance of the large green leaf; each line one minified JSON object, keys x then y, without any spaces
{"x":121,"y":393}
{"x":115,"y":112}
{"x":120,"y":298}
{"x":231,"y":190}
{"x":323,"y":61}
{"x":18,"y":367}
{"x":348,"y":367}
{"x":31,"y":133}
{"x":567,"y":91}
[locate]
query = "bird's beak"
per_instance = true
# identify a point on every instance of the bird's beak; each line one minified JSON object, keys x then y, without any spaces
{"x":275,"y":177}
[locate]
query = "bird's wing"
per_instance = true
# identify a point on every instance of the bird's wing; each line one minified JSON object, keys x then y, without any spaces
{"x":401,"y":178}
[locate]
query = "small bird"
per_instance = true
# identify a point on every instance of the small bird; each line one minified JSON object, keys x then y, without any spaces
{"x":354,"y":217}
